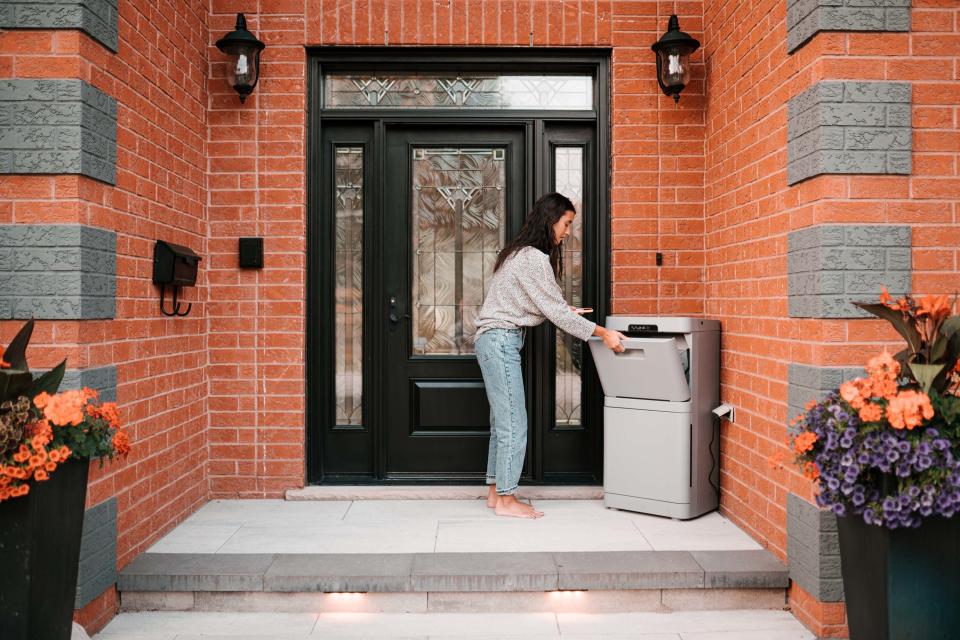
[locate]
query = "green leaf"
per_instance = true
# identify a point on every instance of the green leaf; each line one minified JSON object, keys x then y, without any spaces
{"x":950,"y":326}
{"x":903,"y":327}
{"x":49,"y":381}
{"x":925,"y":374}
{"x":16,"y":353}
{"x":14,"y":383}
{"x":949,"y":407}
{"x":951,"y":352}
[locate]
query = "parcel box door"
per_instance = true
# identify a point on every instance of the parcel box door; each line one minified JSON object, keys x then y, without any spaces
{"x":650,"y":368}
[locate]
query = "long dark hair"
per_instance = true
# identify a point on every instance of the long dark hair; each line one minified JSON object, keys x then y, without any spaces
{"x":537,"y":231}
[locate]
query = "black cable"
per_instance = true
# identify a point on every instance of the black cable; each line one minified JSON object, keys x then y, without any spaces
{"x":713,"y":461}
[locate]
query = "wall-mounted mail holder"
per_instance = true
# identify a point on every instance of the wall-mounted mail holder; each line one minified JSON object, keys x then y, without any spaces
{"x":174,"y":266}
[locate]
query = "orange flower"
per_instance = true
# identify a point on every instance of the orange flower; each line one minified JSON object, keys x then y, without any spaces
{"x":908,"y":409}
{"x":107,"y":411}
{"x":121,"y":443}
{"x":40,"y":475}
{"x":41,"y":399}
{"x":811,"y":471}
{"x":849,"y":391}
{"x":63,"y":409}
{"x":871,"y":412}
{"x":883,"y":365}
{"x":50,"y":466}
{"x":804,"y":442}
{"x":4,"y":364}
{"x":934,"y":306}
{"x":885,"y":297}
{"x":884,"y":388}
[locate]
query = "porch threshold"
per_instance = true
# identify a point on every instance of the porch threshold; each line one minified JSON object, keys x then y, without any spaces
{"x":427,"y":492}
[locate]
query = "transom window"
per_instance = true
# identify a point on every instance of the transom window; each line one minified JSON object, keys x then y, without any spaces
{"x":457,"y":91}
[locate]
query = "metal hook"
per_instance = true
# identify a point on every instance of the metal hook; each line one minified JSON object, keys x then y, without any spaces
{"x":175,"y":305}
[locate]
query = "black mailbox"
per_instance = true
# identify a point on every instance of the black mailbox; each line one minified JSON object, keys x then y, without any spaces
{"x":175,"y":266}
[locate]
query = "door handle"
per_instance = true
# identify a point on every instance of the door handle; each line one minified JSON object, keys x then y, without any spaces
{"x":393,"y":312}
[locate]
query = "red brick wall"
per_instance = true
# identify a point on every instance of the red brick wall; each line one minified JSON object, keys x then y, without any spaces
{"x":749,"y":210}
{"x":158,"y":78}
{"x":257,"y":187}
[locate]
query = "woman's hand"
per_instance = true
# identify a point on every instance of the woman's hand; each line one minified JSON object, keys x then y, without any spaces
{"x":611,"y":338}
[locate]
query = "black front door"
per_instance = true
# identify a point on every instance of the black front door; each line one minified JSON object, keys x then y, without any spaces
{"x":453,"y":196}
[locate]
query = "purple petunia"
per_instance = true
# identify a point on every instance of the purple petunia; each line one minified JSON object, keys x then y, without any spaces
{"x":889,"y":477}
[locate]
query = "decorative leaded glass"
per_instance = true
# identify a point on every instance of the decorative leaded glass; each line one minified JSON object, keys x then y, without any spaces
{"x":476,"y":91}
{"x":348,"y":258}
{"x":568,"y":180}
{"x":458,"y":221}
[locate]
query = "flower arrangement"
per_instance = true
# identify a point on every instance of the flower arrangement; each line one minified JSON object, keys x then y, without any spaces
{"x":886,"y":447}
{"x":40,"y":428}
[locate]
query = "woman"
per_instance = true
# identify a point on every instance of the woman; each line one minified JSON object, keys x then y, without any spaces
{"x":523,"y":293}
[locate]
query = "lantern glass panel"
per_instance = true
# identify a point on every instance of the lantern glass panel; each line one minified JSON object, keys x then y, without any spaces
{"x":675,"y":66}
{"x":242,"y":70}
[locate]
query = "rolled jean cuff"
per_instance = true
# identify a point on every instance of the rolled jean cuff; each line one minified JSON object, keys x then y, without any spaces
{"x":508,"y":492}
{"x":491,"y":480}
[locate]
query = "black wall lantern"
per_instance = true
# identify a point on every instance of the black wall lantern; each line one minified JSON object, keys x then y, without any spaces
{"x":243,"y":69}
{"x":673,"y":51}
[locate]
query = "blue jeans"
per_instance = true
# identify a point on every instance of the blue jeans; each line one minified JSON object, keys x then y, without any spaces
{"x":498,"y":352}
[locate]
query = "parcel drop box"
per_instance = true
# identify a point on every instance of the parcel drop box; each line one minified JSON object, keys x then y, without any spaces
{"x":661,"y":446}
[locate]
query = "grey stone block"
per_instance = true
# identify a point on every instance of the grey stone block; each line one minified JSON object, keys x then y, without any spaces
{"x":807,"y":382}
{"x":757,"y":569}
{"x":851,"y":19}
{"x":831,"y":266}
{"x":58,"y":126}
{"x":899,"y":163}
{"x":813,"y":551}
{"x":629,"y":570}
{"x":877,"y":138}
{"x":876,"y":235}
{"x":874,"y":92}
{"x":98,"y":18}
{"x":101,"y":379}
{"x":466,"y":572}
{"x":98,"y":552}
{"x":57,"y":272}
{"x":195,"y":572}
{"x":351,"y":572}
{"x":897,"y":20}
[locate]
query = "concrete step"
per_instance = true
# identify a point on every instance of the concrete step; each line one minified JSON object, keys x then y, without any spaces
{"x":473,"y":492}
{"x":605,"y":581}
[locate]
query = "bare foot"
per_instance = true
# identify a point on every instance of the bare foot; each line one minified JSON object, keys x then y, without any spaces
{"x":492,"y":496}
{"x":511,"y":507}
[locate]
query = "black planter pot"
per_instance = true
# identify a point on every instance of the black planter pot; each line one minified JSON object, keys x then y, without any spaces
{"x":902,"y":584}
{"x":39,"y":556}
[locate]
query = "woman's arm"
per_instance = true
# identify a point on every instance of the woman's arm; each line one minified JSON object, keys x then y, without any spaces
{"x":537,"y":281}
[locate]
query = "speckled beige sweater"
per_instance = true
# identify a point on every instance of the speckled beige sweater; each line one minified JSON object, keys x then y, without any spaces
{"x":524,"y":293}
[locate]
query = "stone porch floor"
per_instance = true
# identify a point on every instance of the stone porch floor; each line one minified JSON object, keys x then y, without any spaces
{"x":437,"y":526}
{"x":425,"y":568}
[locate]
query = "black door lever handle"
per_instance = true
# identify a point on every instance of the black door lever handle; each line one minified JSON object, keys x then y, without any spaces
{"x":394,"y":313}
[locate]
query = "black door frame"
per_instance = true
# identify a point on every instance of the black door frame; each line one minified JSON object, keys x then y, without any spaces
{"x":369,"y":132}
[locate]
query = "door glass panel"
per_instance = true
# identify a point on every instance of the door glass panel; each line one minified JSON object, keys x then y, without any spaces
{"x":348,"y":258}
{"x":568,"y":180}
{"x":458,"y":218}
{"x":453,"y":91}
